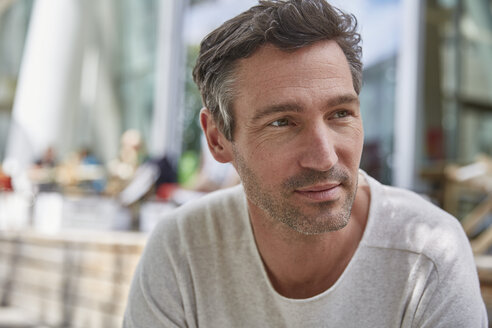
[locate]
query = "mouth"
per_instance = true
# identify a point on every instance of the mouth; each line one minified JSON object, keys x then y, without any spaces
{"x":321,"y":192}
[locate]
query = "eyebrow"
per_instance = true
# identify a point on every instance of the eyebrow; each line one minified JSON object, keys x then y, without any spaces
{"x":343,"y":99}
{"x":293,"y":107}
{"x":280,"y":108}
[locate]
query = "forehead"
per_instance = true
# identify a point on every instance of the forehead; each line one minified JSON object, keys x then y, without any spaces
{"x":270,"y":75}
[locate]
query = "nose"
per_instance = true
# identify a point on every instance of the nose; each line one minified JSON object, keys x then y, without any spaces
{"x":318,"y":150}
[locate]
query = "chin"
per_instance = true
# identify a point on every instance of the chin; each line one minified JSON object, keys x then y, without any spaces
{"x":320,"y":226}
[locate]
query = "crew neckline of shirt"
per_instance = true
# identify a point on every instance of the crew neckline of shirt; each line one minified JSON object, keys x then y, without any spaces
{"x":373,"y":187}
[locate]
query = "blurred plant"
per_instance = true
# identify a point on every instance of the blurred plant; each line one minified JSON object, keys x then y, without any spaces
{"x":193,"y":104}
{"x":188,"y":167}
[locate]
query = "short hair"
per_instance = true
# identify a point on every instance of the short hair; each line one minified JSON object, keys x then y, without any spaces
{"x":286,"y":24}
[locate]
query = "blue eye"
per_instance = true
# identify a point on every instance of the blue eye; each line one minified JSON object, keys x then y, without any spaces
{"x":342,"y":114}
{"x":281,"y":122}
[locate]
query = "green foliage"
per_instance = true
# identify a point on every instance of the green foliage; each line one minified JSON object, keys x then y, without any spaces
{"x":187,"y":167}
{"x":188,"y":164}
{"x":193,"y":104}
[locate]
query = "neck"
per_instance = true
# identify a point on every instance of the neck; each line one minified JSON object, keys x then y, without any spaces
{"x":302,"y":266}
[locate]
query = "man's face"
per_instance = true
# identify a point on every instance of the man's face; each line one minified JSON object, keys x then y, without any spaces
{"x":298,"y":136}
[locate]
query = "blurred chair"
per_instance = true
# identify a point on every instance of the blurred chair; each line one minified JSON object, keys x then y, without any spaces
{"x":475,"y":178}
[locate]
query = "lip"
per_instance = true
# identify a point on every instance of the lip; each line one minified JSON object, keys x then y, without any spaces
{"x":323,"y":192}
{"x":319,"y":187}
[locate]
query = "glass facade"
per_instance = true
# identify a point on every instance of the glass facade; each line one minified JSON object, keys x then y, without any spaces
{"x":135,"y":64}
{"x":14,"y":22}
{"x":458,"y":81}
{"x":378,"y":105}
{"x":114,"y":88}
{"x":111,"y":78}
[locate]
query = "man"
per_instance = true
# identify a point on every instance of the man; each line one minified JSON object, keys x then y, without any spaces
{"x":308,"y":240}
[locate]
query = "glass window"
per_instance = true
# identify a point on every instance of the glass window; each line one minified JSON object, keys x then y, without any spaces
{"x":14,"y":22}
{"x":458,"y":101}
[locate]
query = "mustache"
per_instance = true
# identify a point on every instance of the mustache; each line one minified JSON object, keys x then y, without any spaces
{"x":310,"y":177}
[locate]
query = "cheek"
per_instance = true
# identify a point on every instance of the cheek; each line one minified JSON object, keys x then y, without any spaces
{"x":350,"y":144}
{"x":269,"y":151}
{"x":270,"y":164}
{"x":354,"y":149}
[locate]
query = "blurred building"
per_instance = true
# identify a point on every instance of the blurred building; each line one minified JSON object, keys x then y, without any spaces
{"x":79,"y":73}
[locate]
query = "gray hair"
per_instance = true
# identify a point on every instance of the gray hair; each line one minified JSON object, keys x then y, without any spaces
{"x":286,"y":24}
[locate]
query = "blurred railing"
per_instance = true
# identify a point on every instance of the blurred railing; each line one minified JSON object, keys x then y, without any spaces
{"x":74,"y":279}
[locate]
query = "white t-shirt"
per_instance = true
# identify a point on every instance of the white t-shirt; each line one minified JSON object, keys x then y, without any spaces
{"x":413,"y":268}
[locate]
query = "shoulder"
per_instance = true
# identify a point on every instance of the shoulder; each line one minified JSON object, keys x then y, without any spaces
{"x":178,"y":255}
{"x":214,"y":218}
{"x":403,"y":220}
{"x":200,"y":227}
{"x":438,"y":254}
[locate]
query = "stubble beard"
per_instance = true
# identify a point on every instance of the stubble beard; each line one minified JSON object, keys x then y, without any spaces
{"x":275,"y":201}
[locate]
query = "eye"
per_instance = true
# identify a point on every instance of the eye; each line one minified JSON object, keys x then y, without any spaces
{"x":342,"y":113}
{"x":281,"y":122}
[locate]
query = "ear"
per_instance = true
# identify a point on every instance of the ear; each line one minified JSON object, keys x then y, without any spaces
{"x":218,"y":144}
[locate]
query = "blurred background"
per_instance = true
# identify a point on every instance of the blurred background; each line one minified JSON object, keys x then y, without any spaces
{"x":99,"y":134}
